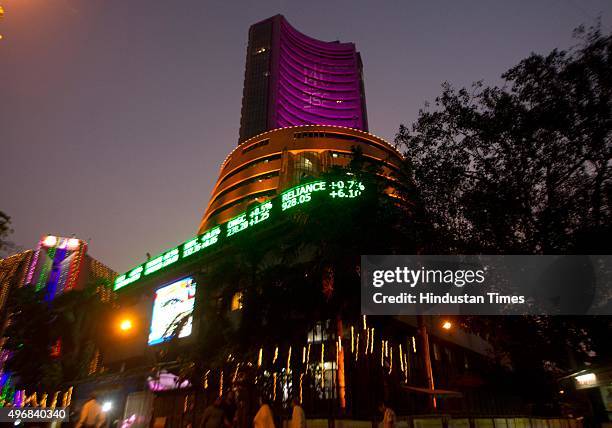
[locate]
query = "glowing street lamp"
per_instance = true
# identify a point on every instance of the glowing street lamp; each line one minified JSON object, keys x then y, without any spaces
{"x":447,"y":325}
{"x":126,"y":325}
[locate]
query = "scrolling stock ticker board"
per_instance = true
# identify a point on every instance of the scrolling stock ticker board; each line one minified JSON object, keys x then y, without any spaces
{"x":302,"y":194}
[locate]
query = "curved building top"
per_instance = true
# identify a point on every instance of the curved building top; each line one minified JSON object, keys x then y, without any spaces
{"x":292,"y":79}
{"x":269,"y":163}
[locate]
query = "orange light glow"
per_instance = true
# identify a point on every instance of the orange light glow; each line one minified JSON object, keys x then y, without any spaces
{"x":126,"y":325}
{"x":50,"y":241}
{"x":447,"y":325}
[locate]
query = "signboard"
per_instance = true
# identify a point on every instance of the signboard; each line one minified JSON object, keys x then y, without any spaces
{"x":262,"y":213}
{"x":173,"y":304}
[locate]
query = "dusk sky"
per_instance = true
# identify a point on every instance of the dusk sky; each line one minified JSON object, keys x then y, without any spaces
{"x":115,"y":115}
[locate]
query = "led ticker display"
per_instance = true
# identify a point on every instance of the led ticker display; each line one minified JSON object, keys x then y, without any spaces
{"x":298,"y":195}
{"x":254,"y":216}
{"x":346,"y":189}
{"x":237,"y":224}
{"x":173,"y":305}
{"x":301,"y":194}
{"x":161,"y":261}
{"x":336,"y":189}
{"x":260,"y":213}
{"x":128,"y":278}
{"x":200,"y":242}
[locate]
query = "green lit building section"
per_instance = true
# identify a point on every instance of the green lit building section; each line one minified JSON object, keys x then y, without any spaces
{"x":200,"y":242}
{"x":301,"y":194}
{"x":298,"y":195}
{"x":128,"y":278}
{"x":260,"y":213}
{"x":346,"y":189}
{"x":161,"y":261}
{"x":254,"y":216}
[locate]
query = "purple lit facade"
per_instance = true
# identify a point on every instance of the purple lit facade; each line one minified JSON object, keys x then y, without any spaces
{"x":292,"y":79}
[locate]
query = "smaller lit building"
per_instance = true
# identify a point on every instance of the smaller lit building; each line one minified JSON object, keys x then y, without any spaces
{"x":57,"y":264}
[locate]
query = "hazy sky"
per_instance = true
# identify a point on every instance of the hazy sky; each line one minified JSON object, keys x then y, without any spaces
{"x":116,"y":114}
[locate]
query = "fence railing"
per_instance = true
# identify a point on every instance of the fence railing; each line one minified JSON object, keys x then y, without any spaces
{"x":449,"y":422}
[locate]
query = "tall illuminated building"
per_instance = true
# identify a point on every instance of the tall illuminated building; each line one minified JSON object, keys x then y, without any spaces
{"x":292,"y":79}
{"x":58,"y":264}
{"x":303,"y":112}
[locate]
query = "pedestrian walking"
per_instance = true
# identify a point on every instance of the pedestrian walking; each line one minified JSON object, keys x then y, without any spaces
{"x":298,"y":417}
{"x":264,"y":417}
{"x":92,"y":415}
{"x":213,"y":416}
{"x":388,"y":416}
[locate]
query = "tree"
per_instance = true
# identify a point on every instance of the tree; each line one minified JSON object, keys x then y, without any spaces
{"x":5,"y":231}
{"x":63,"y":334}
{"x":525,"y":168}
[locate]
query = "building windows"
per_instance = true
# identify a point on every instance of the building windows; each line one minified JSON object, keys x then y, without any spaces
{"x":303,"y":166}
{"x":251,"y":164}
{"x":255,"y":146}
{"x":256,"y":179}
{"x":249,"y":198}
{"x":318,"y":333}
{"x":236,"y":303}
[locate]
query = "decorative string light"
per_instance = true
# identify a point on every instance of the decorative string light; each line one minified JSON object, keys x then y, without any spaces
{"x":54,"y":401}
{"x":352,"y":339}
{"x":323,"y":365}
{"x":372,"y":342}
{"x":42,"y":278}
{"x":275,"y":355}
{"x":221,"y":383}
{"x":289,"y":360}
{"x":31,"y":400}
{"x":367,"y":347}
{"x":75,"y":267}
{"x":236,"y":373}
{"x":301,"y":382}
{"x":382,"y":353}
{"x":303,"y":355}
{"x":67,"y":398}
{"x":401,"y":357}
{"x":33,"y":265}
{"x":359,"y":131}
{"x":308,"y":357}
{"x":413,"y":344}
{"x":365,"y":325}
{"x":357,"y":348}
{"x":391,"y":360}
{"x":260,"y":358}
{"x":274,"y":392}
{"x":206,"y":379}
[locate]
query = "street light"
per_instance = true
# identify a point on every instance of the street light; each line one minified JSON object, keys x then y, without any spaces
{"x":447,"y":325}
{"x":126,"y":324}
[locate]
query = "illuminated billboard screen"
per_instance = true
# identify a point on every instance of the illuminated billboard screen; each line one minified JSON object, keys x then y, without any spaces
{"x":172,"y":308}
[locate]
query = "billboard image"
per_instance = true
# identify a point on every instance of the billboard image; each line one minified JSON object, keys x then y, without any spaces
{"x":173,"y":305}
